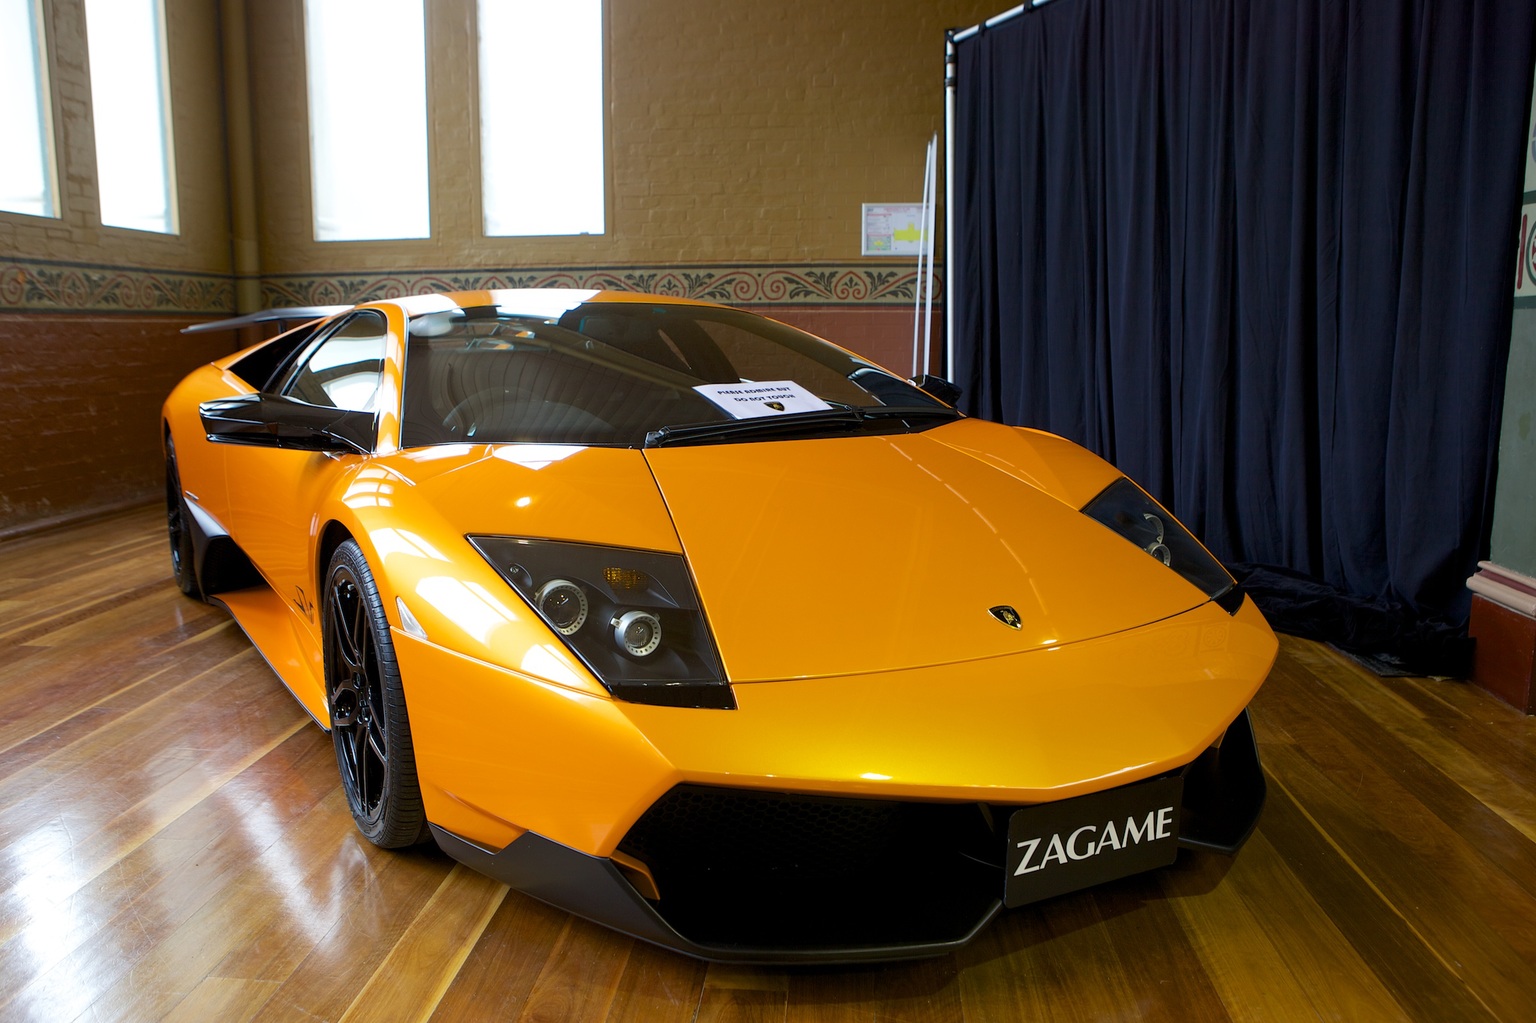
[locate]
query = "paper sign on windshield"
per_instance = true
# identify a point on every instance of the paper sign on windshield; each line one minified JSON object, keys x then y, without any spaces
{"x":750,"y":399}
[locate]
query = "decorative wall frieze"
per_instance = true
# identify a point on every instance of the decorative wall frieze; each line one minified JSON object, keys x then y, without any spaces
{"x":50,"y":286}
{"x":35,"y":285}
{"x":859,"y":284}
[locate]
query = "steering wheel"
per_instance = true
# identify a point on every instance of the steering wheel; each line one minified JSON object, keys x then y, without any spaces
{"x":463,"y":417}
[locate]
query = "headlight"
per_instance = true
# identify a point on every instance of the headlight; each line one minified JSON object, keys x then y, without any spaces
{"x":563,"y":605}
{"x":638,"y":632}
{"x":1126,"y":508}
{"x":631,"y":616}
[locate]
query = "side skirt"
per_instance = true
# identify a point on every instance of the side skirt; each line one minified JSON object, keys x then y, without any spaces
{"x":268,"y":623}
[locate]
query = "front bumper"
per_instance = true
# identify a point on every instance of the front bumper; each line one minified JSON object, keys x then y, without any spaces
{"x":500,"y":752}
{"x":745,"y":875}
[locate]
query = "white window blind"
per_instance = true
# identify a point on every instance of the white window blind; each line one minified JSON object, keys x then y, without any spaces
{"x":367,"y":72}
{"x":27,"y":178}
{"x":541,"y":116}
{"x":131,"y":108}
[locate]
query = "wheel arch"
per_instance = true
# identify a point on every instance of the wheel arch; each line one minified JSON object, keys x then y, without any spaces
{"x":332,"y":535}
{"x":367,"y":699}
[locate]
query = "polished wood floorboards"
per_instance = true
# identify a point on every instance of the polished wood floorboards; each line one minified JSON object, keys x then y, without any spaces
{"x":174,"y":845}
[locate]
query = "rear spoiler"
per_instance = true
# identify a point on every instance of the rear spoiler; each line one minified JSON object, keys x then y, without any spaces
{"x":281,"y":316}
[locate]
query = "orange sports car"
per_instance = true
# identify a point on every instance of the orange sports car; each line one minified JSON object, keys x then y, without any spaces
{"x":708,"y":630}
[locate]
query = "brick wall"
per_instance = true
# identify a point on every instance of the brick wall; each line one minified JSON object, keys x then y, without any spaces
{"x":76,"y":235}
{"x":743,"y":139}
{"x":89,"y":314}
{"x":79,"y":408}
{"x":739,"y":133}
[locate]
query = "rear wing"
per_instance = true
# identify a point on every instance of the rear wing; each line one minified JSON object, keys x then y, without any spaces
{"x":283,"y":317}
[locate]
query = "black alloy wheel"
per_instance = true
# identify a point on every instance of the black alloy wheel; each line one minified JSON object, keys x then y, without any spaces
{"x":369,"y":726}
{"x":178,"y":527}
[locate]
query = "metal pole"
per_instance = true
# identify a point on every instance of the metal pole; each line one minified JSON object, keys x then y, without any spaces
{"x":930,"y":211}
{"x":949,"y":207}
{"x":917,"y":291}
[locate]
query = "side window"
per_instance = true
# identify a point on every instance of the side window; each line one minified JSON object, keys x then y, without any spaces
{"x":346,"y":369}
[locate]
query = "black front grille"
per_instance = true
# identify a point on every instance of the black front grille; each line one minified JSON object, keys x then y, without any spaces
{"x":806,"y":871}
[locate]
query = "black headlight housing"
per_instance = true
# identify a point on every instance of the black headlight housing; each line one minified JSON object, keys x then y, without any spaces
{"x":1131,"y":512}
{"x":631,"y":616}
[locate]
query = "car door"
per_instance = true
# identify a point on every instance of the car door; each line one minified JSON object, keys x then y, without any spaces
{"x":275,"y":493}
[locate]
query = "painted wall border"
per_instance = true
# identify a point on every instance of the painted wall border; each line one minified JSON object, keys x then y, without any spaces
{"x":53,"y":286}
{"x":822,"y":284}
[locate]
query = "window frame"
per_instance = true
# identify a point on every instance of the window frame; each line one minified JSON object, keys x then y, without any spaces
{"x":47,"y":132}
{"x":400,"y":138}
{"x":520,"y":135}
{"x":290,"y":376}
{"x":166,"y":118}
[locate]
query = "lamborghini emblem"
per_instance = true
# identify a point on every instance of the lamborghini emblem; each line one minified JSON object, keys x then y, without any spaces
{"x":777,"y":406}
{"x":1007,"y":615}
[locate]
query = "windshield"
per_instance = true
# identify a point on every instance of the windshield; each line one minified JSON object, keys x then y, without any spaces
{"x":620,"y":373}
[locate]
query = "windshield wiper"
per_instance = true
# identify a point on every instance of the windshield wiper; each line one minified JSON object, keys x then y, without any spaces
{"x":910,"y":412}
{"x":793,"y":422}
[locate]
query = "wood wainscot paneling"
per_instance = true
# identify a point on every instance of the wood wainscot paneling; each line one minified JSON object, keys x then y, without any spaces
{"x":80,"y":399}
{"x":1504,"y":626}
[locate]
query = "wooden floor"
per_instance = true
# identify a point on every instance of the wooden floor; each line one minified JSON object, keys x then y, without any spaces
{"x":174,"y":845}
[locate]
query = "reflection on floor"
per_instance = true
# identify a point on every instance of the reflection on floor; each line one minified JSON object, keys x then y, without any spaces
{"x":174,"y":845}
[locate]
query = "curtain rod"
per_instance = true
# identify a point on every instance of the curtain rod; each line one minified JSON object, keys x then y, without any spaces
{"x":952,"y":37}
{"x":961,"y":34}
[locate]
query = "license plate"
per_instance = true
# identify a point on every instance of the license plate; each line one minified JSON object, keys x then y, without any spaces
{"x":1060,"y":847}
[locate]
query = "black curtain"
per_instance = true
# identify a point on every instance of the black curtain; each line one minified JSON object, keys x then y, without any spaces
{"x":1259,"y":254}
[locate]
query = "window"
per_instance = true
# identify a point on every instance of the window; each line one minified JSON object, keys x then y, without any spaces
{"x":367,"y":69}
{"x":345,"y":371}
{"x":27,"y":178}
{"x":130,"y":105}
{"x":541,"y":116}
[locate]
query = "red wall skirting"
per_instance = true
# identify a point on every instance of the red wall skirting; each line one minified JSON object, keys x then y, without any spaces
{"x":79,"y":410}
{"x":1504,"y":660}
{"x":882,"y":334}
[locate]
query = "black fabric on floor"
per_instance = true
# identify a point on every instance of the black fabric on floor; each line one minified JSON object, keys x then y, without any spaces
{"x":1387,"y":634}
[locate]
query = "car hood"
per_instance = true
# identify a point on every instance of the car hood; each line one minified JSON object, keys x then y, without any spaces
{"x":879,"y":553}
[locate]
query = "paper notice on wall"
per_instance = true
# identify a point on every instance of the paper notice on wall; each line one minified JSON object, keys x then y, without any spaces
{"x":893,"y":229}
{"x":753,"y":398}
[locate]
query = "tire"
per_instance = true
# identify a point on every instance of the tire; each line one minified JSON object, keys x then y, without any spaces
{"x":178,"y":525}
{"x":369,"y":725}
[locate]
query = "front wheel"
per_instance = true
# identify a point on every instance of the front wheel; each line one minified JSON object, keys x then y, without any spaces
{"x":369,"y":726}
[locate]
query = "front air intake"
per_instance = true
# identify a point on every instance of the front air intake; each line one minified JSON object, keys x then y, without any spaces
{"x":789,"y":870}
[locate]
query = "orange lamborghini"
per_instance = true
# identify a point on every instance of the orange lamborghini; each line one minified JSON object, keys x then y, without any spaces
{"x":708,"y":630}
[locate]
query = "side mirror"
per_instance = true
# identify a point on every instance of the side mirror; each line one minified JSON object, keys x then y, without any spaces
{"x":273,"y":421}
{"x":946,"y":391}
